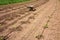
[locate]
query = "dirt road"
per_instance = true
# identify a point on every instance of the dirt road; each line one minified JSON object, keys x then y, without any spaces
{"x":34,"y":25}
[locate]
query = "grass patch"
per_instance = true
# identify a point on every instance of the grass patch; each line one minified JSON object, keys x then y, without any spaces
{"x":4,"y":2}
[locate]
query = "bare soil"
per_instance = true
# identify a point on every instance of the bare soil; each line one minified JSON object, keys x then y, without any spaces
{"x":18,"y":23}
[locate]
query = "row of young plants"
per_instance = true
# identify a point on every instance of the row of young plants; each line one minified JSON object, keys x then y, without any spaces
{"x":44,"y":28}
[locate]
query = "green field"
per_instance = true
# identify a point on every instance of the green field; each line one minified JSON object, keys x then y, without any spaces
{"x":4,"y":2}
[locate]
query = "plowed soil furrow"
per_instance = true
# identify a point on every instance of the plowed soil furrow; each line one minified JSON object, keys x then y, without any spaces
{"x":12,"y":22}
{"x":19,"y":20}
{"x":35,"y":31}
{"x":42,"y":24}
{"x":4,"y":16}
{"x":17,"y":6}
{"x":22,"y":7}
{"x":36,"y":28}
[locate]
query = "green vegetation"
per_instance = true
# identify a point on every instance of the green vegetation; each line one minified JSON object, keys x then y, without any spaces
{"x":4,"y":2}
{"x":45,"y":26}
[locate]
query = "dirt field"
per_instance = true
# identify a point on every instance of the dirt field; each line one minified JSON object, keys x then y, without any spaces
{"x":18,"y":23}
